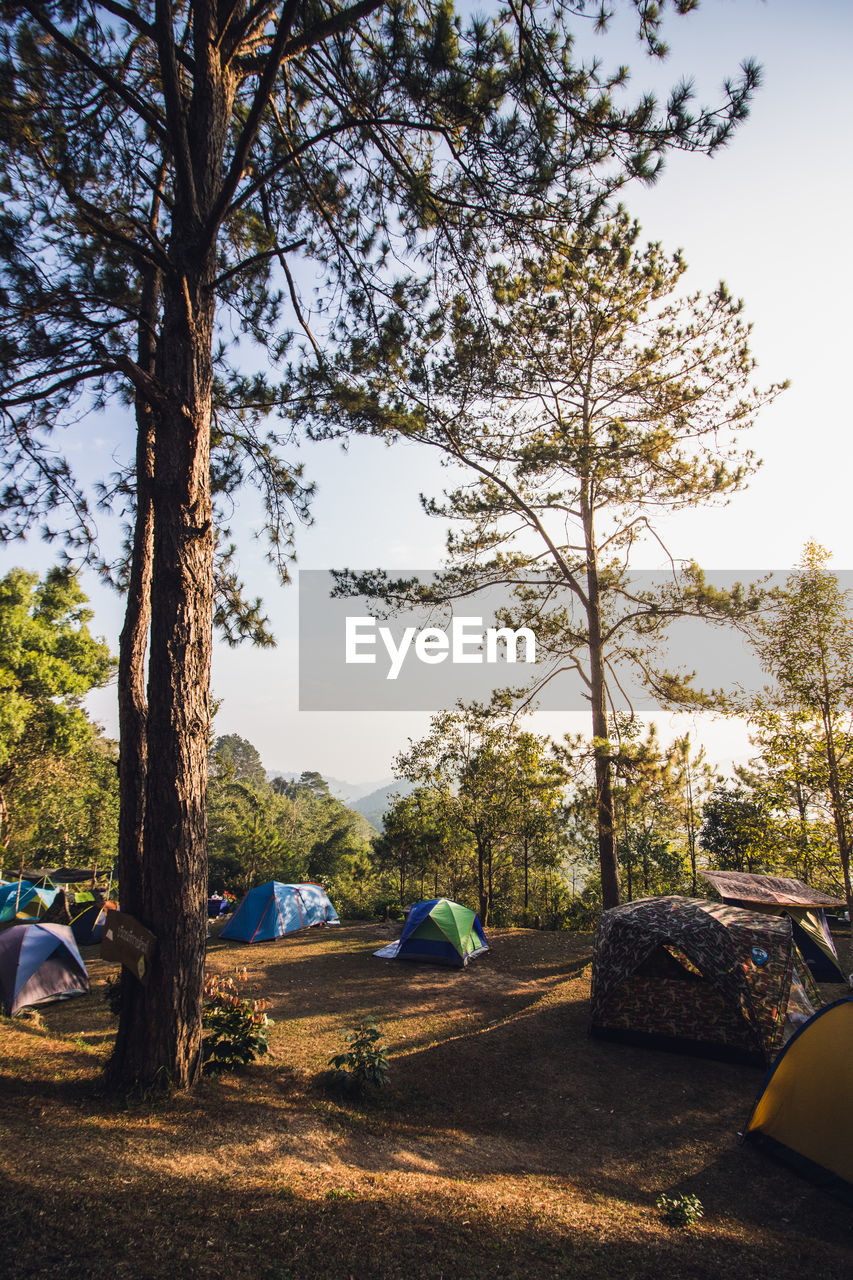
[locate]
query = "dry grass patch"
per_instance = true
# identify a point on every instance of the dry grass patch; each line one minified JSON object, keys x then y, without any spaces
{"x":507,"y":1144}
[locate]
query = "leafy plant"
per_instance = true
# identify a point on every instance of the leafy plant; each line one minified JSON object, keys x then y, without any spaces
{"x":234,"y":1028}
{"x":364,"y":1063}
{"x":112,"y":992}
{"x":680,"y":1211}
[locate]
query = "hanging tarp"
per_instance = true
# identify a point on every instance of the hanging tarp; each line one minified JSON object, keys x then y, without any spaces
{"x":783,"y":895}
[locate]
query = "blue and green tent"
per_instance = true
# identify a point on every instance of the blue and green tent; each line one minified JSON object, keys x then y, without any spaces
{"x":439,"y":932}
{"x":24,"y":900}
{"x":273,"y":909}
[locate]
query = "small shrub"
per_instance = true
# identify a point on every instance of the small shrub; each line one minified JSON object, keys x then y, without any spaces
{"x":680,"y":1211}
{"x":112,"y":992}
{"x":364,"y":1063}
{"x":234,"y":1028}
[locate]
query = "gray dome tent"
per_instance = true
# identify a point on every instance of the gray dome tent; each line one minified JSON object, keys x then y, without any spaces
{"x":39,"y":963}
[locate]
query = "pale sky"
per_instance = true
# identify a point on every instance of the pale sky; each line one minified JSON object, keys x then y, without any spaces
{"x":767,"y":215}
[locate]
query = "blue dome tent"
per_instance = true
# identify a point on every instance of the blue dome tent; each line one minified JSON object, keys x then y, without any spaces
{"x":272,"y":910}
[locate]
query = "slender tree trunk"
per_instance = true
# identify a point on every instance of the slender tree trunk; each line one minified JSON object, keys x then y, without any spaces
{"x":839,"y":816}
{"x":691,"y":830}
{"x":600,"y":726}
{"x":133,"y":730}
{"x":4,"y":830}
{"x":490,"y":890}
{"x":133,"y":644}
{"x":805,"y":864}
{"x":526,"y":876}
{"x":481,"y":883}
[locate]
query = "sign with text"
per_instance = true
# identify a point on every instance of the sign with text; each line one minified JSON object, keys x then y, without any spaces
{"x":127,"y":941}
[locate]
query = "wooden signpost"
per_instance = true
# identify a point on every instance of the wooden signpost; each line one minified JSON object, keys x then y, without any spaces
{"x":126,"y":940}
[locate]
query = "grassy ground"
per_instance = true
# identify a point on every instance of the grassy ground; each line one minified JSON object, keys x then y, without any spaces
{"x":507,"y":1144}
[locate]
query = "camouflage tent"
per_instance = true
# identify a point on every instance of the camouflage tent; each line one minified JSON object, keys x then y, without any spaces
{"x":698,"y":977}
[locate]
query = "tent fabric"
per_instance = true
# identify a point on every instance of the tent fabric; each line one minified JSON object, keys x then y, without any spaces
{"x":777,"y":895}
{"x":782,"y":891}
{"x":38,"y":963}
{"x":699,"y":977}
{"x":22,"y":898}
{"x":272,"y":910}
{"x":438,"y":931}
{"x":89,"y":922}
{"x":803,"y":1114}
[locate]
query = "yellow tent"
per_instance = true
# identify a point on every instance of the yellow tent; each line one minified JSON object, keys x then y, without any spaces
{"x":804,"y":1112}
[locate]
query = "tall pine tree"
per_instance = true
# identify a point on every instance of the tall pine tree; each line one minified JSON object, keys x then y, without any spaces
{"x":164,"y":165}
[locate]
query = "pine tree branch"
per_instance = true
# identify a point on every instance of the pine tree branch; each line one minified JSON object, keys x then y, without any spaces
{"x":101,"y":73}
{"x":249,"y":131}
{"x":176,"y":120}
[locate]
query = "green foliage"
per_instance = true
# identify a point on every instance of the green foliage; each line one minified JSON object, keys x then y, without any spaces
{"x":283,"y":830}
{"x":58,"y":774}
{"x":48,"y":661}
{"x":583,"y":396}
{"x":231,"y":1039}
{"x":486,"y":819}
{"x":680,"y":1211}
{"x":365,"y":1062}
{"x":64,"y":808}
{"x":735,"y":829}
{"x":805,"y":719}
{"x":233,"y":758}
{"x":234,"y":1028}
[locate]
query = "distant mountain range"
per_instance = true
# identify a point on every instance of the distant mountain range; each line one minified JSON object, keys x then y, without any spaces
{"x":370,"y":799}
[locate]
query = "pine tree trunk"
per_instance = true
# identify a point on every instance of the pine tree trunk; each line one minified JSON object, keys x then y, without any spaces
{"x":600,"y":726}
{"x":159,"y":1041}
{"x":839,"y":816}
{"x":159,"y":1037}
{"x":133,"y":642}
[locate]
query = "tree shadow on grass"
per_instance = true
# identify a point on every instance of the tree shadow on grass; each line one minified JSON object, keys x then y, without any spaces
{"x":155,"y":1226}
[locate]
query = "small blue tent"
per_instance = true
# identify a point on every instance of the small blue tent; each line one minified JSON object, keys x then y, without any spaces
{"x":39,"y":962}
{"x":23,"y":898}
{"x":271,"y":910}
{"x":440,"y":932}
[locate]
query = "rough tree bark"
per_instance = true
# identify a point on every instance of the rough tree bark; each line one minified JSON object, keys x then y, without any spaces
{"x":174,"y":846}
{"x":600,"y":726}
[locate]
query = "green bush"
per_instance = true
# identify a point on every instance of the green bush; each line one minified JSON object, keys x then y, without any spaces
{"x":364,"y":1063}
{"x":232,"y":1038}
{"x":680,"y":1211}
{"x":234,"y":1029}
